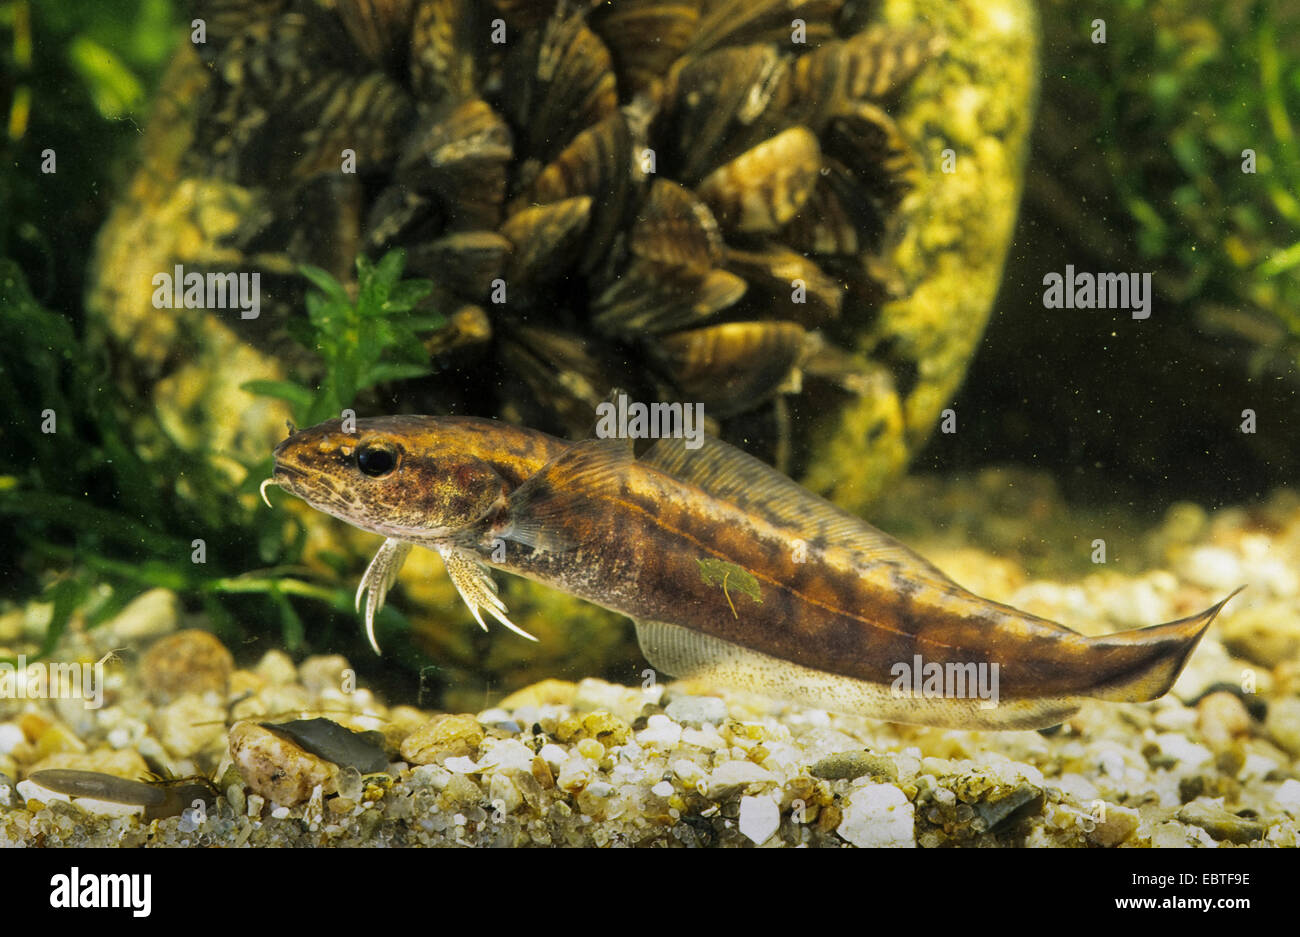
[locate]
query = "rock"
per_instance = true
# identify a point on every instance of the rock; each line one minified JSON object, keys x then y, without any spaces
{"x":878,"y":815}
{"x":1265,"y":634}
{"x":275,"y":768}
{"x":759,"y":818}
{"x":444,"y":736}
{"x":604,"y":727}
{"x":1115,"y":826}
{"x":697,"y":711}
{"x":624,"y":702}
{"x":10,"y":736}
{"x":1287,"y":796}
{"x":190,"y":725}
{"x":660,"y":731}
{"x":189,"y":661}
{"x":1223,"y":718}
{"x":151,"y":615}
{"x":851,"y":765}
{"x":730,"y":776}
{"x":1183,"y":750}
{"x":542,"y":693}
{"x":323,"y":672}
{"x":1221,"y":824}
{"x":575,"y":774}
{"x":276,"y":668}
{"x":1283,"y":724}
{"x":1212,"y":568}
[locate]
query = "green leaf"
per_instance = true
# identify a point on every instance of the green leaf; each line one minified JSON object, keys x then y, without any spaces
{"x":384,"y":373}
{"x":295,"y":394}
{"x":324,"y":282}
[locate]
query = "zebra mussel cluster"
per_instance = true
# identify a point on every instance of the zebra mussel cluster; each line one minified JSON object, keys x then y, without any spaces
{"x":683,"y":198}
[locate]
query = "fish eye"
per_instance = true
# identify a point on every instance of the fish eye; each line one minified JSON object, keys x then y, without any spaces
{"x":376,"y":461}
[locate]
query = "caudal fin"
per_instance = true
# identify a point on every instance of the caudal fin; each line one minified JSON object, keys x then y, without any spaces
{"x":1137,"y":666}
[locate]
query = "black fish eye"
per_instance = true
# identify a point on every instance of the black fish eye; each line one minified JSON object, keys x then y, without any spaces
{"x":375,"y":461}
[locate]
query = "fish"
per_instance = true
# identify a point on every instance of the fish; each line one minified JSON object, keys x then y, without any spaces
{"x":731,"y":572}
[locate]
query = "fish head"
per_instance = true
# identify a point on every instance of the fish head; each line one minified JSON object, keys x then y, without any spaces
{"x":392,"y":476}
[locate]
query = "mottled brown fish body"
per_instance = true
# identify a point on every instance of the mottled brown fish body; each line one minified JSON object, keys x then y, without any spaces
{"x":640,"y":555}
{"x":730,"y":570}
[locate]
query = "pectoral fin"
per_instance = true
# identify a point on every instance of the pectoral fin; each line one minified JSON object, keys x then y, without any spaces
{"x":379,"y":578}
{"x":474,"y":582}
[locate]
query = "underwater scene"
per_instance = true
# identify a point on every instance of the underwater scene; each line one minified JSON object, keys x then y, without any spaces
{"x":674,"y":423}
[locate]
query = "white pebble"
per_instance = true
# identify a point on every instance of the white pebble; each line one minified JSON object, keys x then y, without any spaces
{"x":575,"y":774}
{"x":661,"y":731}
{"x":553,"y":755}
{"x":878,"y":815}
{"x":1287,"y":796}
{"x":759,"y":818}
{"x":10,"y":737}
{"x":461,"y":764}
{"x":508,"y":755}
{"x":280,"y":813}
{"x":1187,"y":752}
{"x":663,"y":789}
{"x":733,"y":774}
{"x":1212,"y":568}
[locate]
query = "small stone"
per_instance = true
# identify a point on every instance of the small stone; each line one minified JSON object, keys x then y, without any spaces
{"x":1287,"y":796}
{"x":324,"y":672}
{"x":1221,"y":824}
{"x":1266,"y":634}
{"x":624,"y":702}
{"x":590,"y":748}
{"x":697,"y":711}
{"x":504,"y":794}
{"x":459,"y":764}
{"x":444,"y":736}
{"x":660,"y":731}
{"x":148,"y":616}
{"x":10,"y":737}
{"x":1212,"y":568}
{"x":663,"y":789}
{"x":1183,"y":750}
{"x":1115,"y":826}
{"x":1223,"y":718}
{"x":878,"y":815}
{"x":122,"y":764}
{"x":543,"y":693}
{"x":190,"y":725}
{"x":189,"y":661}
{"x":1169,"y":835}
{"x":1283,"y":724}
{"x":733,"y":775}
{"x":855,"y":764}
{"x":759,"y":818}
{"x":276,"y":668}
{"x":276,"y":768}
{"x":575,"y":774}
{"x":509,"y":756}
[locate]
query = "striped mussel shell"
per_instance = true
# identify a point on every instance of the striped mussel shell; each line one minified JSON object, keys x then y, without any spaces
{"x":686,"y":199}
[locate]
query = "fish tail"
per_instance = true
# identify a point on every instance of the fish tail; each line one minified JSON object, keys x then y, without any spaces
{"x":1142,"y":665}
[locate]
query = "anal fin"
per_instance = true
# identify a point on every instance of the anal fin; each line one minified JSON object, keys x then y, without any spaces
{"x":682,"y":652}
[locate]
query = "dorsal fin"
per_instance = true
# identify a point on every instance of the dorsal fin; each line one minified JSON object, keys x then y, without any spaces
{"x":739,"y":479}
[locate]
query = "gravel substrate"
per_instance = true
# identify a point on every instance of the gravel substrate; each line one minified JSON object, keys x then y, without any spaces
{"x":1216,"y":763}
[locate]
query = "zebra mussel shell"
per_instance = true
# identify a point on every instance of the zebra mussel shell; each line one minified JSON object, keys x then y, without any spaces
{"x":683,"y":198}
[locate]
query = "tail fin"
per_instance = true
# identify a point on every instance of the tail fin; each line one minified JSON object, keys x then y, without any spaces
{"x":1137,"y":666}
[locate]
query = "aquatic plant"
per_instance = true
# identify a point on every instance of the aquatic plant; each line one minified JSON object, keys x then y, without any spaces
{"x":362,"y":342}
{"x":92,"y":521}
